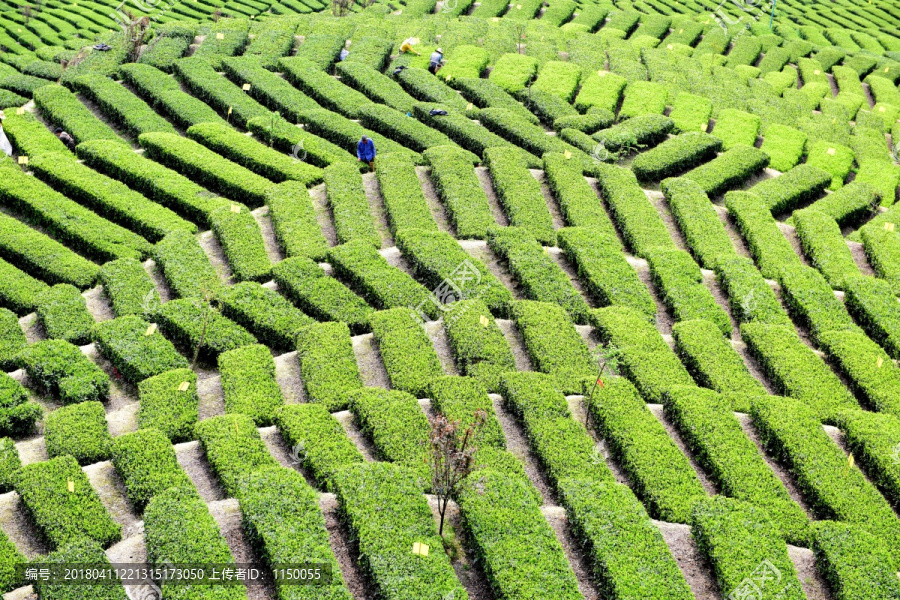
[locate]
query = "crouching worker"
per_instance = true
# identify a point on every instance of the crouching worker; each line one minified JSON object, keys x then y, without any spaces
{"x":365,"y":152}
{"x":436,"y":61}
{"x":65,"y":138}
{"x":407,"y":46}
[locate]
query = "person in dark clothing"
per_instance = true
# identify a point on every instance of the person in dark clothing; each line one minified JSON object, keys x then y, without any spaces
{"x":365,"y":152}
{"x":436,"y":61}
{"x":66,"y":139}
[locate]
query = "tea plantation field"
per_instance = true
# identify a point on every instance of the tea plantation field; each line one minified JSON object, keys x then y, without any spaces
{"x":654,"y":245}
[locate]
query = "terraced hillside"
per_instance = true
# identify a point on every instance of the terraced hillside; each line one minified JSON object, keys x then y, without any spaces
{"x":653,"y":242}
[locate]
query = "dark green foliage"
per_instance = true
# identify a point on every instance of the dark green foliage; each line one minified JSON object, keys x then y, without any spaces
{"x":78,"y":430}
{"x":855,"y":563}
{"x":249,"y":384}
{"x":347,"y":199}
{"x":146,"y":462}
{"x":10,"y":559}
{"x":191,"y":323}
{"x":460,"y":191}
{"x":407,"y":352}
{"x":242,"y":241}
{"x":64,"y":315}
{"x":63,"y":516}
{"x":166,"y":407}
{"x":675,"y":156}
{"x":186,"y":267}
{"x":263,"y":312}
{"x":327,"y":364}
{"x":137,"y":356}
{"x":520,"y":194}
{"x":82,"y":552}
{"x":294,"y":219}
{"x":60,"y":369}
{"x":481,"y":351}
{"x":768,"y":246}
{"x":128,"y":287}
{"x":17,"y":414}
{"x":12,"y":339}
{"x":233,"y":447}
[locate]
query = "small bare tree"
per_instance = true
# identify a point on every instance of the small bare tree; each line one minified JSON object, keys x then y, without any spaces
{"x":207,"y":307}
{"x":27,"y":11}
{"x":451,"y":457}
{"x":608,"y":357}
{"x":520,"y":28}
{"x":339,"y":8}
{"x":134,"y":36}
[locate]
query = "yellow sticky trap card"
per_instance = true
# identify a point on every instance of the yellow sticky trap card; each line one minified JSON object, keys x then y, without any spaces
{"x":469,"y":106}
{"x":229,"y":111}
{"x":235,"y":208}
{"x":880,"y":109}
{"x":484,"y":321}
{"x":670,"y":47}
{"x":184,"y":386}
{"x":246,"y":87}
{"x":817,"y":72}
{"x":830,"y":151}
{"x":567,"y":154}
{"x":601,"y":73}
{"x":20,"y":110}
{"x":23,"y":160}
{"x":889,"y":226}
{"x":151,"y":329}
{"x":71,"y":486}
{"x":496,"y":19}
{"x":220,"y":36}
{"x":879,"y":362}
{"x":420,"y":549}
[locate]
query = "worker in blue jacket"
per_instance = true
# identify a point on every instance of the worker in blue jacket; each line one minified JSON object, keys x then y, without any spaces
{"x":365,"y":151}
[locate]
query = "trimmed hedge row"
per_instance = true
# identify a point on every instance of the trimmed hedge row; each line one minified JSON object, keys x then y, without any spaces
{"x":744,"y":547}
{"x":836,"y":159}
{"x":264,"y":312}
{"x":268,"y":88}
{"x":381,"y":285}
{"x":750,"y":297}
{"x":156,"y":182}
{"x":561,"y":444}
{"x":233,"y":447}
{"x":578,"y":203}
{"x":242,"y":241}
{"x":735,"y":127}
{"x":714,"y":363}
{"x":63,"y":516}
{"x":634,"y":134}
{"x":798,"y":186}
{"x":643,"y":98}
{"x":662,"y":476}
{"x":680,"y":282}
{"x":63,"y":313}
{"x":294,"y":220}
{"x":872,"y":376}
{"x":121,"y":106}
{"x":193,"y":323}
{"x":559,"y":78}
{"x":646,"y":358}
{"x":870,"y":302}
{"x":385,"y":509}
{"x":541,"y":278}
{"x":193,"y":537}
{"x":520,"y":194}
{"x":60,"y":106}
{"x":282,"y":518}
{"x":349,"y":207}
{"x":675,"y":156}
{"x":732,"y":169}
{"x":596,"y":119}
{"x":635,"y":216}
{"x":439,"y":261}
{"x":690,"y":112}
{"x":627,"y":551}
{"x":136,"y":355}
{"x":30,"y":137}
{"x":822,"y":242}
{"x":481,"y":351}
{"x":768,"y":246}
{"x":425,"y":87}
{"x":167,"y":408}
{"x":128,"y":286}
{"x":11,"y":560}
{"x":78,"y":430}
{"x":226,"y":98}
{"x":249,"y":384}
{"x":554,"y":345}
{"x":484,"y":93}
{"x":146,"y":462}
{"x":110,"y":198}
{"x":376,"y":86}
{"x":505,"y":516}
{"x":397,"y":426}
{"x":322,"y":445}
{"x":69,"y":222}
{"x":60,"y":370}
{"x":882,"y":248}
{"x":698,"y":220}
{"x":401,"y":191}
{"x":286,"y":137}
{"x":459,"y":398}
{"x":329,"y":92}
{"x":12,"y":339}
{"x":849,"y":205}
{"x":251,"y":154}
{"x":784,"y":145}
{"x":84,"y":552}
{"x":206,"y":167}
{"x":707,"y":424}
{"x":833,"y":488}
{"x":319,"y":295}
{"x":185,"y":266}
{"x":460,"y":190}
{"x":872,"y":438}
{"x":810,"y":300}
{"x":327,"y":364}
{"x":510,"y":126}
{"x":514,"y":71}
{"x":795,"y":369}
{"x":408,"y":354}
{"x":855,"y":563}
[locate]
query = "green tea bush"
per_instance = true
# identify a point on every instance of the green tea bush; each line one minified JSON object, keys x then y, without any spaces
{"x":376,"y":86}
{"x":349,"y":207}
{"x":84,"y":552}
{"x":798,"y":186}
{"x":146,"y":462}
{"x":520,"y":194}
{"x":407,"y":352}
{"x":578,"y":202}
{"x":558,"y":78}
{"x":836,"y":159}
{"x":460,"y":191}
{"x":186,"y":267}
{"x":680,"y":283}
{"x":203,"y":81}
{"x":514,"y":71}
{"x":869,"y":301}
{"x":729,"y":170}
{"x":121,"y":106}
{"x":662,"y":476}
{"x":78,"y":430}
{"x":128,"y":286}
{"x":401,"y":191}
{"x":643,"y":98}
{"x":136,"y":355}
{"x":809,"y":298}
{"x":635,"y":133}
{"x":690,"y":112}
{"x":368,"y":273}
{"x":63,"y":516}
{"x":855,"y":563}
{"x":62,"y":108}
{"x":697,"y":219}
{"x":750,"y":297}
{"x":385,"y":509}
{"x":741,"y":542}
{"x":796,"y":371}
{"x":508,"y":125}
{"x":602,"y":90}
{"x":481,"y":351}
{"x":12,"y":559}
{"x":242,"y":241}
{"x":233,"y":447}
{"x":872,"y":376}
{"x":29,"y":136}
{"x":596,"y":119}
{"x":675,"y":156}
{"x":882,"y":248}
{"x":554,"y":345}
{"x":735,"y":127}
{"x":822,"y":242}
{"x":327,"y":364}
{"x":321,"y":444}
{"x":425,"y":87}
{"x":18,"y":290}
{"x":294,"y":220}
{"x":166,"y":407}
{"x":63,"y":313}
{"x":249,"y":384}
{"x":411,"y":133}
{"x":849,"y":205}
{"x":60,"y":370}
{"x":165,"y":95}
{"x":329,"y":92}
{"x":484,"y":93}
{"x":267,"y":88}
{"x":768,"y":246}
{"x":17,"y":414}
{"x":832,"y":488}
{"x":192,"y":323}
